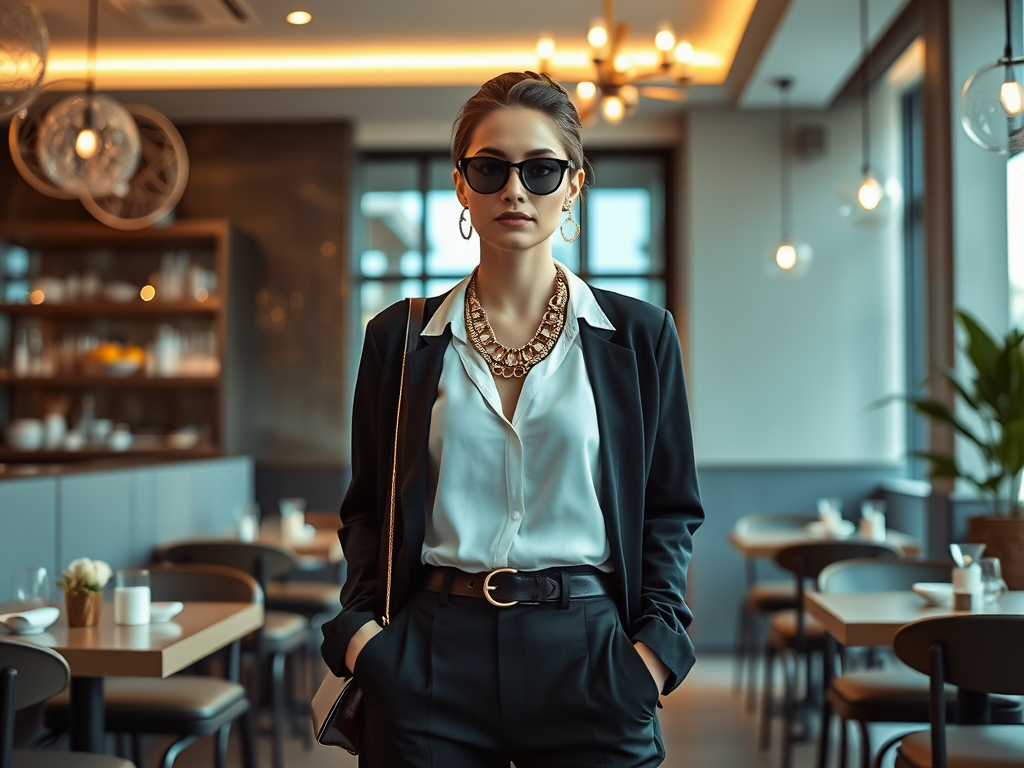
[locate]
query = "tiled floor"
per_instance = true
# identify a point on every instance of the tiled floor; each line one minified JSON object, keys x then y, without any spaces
{"x":704,"y":723}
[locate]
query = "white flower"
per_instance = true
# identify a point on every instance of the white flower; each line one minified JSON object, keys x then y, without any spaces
{"x":85,"y":575}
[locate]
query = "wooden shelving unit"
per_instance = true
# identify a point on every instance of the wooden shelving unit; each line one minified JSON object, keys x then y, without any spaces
{"x":133,"y":309}
{"x":215,"y":404}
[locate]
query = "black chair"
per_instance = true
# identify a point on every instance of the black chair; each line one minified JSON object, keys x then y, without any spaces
{"x":283,"y":634}
{"x":187,"y":706}
{"x":894,"y":693}
{"x":762,"y":598}
{"x":30,"y":674}
{"x":795,"y":638}
{"x":980,"y":655}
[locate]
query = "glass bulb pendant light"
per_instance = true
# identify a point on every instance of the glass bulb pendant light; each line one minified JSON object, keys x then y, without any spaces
{"x":870,"y":192}
{"x":24,"y":44}
{"x":89,"y":144}
{"x":789,"y":257}
{"x":992,"y":101}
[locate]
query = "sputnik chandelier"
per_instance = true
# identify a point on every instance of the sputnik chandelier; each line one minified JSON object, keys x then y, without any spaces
{"x":617,"y":85}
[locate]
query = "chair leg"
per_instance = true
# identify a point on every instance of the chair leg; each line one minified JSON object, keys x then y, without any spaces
{"x":865,"y":744}
{"x":220,"y":754}
{"x":136,"y":740}
{"x":740,"y":647}
{"x":247,"y":730}
{"x":844,"y":742}
{"x":277,"y":708}
{"x":755,"y":635}
{"x":176,"y":749}
{"x":767,"y":704}
{"x":826,"y":733}
{"x":788,"y":707}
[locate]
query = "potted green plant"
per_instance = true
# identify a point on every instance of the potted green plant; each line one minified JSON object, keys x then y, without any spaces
{"x":992,"y":420}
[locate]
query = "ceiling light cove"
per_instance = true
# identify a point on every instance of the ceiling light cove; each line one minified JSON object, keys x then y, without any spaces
{"x":199,"y":68}
{"x":298,"y":18}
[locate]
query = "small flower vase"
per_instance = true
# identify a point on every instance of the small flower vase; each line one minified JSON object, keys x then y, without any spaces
{"x":83,"y":609}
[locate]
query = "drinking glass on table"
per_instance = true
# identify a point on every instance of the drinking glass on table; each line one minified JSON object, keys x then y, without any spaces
{"x":131,"y":597}
{"x":247,"y":522}
{"x":33,"y":586}
{"x":992,"y":583}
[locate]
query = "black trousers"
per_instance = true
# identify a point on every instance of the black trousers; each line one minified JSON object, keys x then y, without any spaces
{"x":454,"y":682}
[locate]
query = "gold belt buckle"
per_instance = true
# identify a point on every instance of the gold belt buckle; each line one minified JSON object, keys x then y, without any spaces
{"x":488,"y":587}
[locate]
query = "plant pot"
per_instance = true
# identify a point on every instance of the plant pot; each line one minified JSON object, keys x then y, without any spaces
{"x":83,"y":610}
{"x":1003,"y":537}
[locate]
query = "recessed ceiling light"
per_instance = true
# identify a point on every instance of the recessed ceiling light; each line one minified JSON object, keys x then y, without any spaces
{"x":299,"y":17}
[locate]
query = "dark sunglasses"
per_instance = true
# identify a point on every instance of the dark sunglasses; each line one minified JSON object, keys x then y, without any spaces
{"x":487,"y":175}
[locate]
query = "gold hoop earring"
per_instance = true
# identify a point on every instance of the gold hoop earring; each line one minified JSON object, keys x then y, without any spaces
{"x":575,"y":231}
{"x":462,"y":220}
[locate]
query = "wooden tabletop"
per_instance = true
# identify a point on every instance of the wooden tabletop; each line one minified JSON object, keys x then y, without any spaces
{"x":150,"y":650}
{"x":873,"y":618}
{"x":323,"y":545}
{"x":764,"y":544}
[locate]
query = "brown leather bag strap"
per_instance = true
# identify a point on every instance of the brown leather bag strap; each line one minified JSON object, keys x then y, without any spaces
{"x":413,"y":326}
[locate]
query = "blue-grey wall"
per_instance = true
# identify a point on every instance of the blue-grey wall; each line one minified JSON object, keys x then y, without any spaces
{"x":117,"y":516}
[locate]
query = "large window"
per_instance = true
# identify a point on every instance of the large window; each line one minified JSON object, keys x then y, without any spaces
{"x":408,"y":241}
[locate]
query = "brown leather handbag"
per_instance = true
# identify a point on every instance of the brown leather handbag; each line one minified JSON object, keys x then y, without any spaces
{"x":337,"y":707}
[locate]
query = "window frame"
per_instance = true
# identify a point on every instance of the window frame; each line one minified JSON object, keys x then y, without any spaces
{"x":423,"y":158}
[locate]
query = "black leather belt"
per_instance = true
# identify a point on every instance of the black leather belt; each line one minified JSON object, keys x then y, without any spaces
{"x":506,"y":586}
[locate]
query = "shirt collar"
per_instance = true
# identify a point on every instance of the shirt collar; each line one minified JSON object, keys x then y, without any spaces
{"x":582,"y":306}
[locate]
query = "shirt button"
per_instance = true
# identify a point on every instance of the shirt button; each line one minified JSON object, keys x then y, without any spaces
{"x":516,"y":514}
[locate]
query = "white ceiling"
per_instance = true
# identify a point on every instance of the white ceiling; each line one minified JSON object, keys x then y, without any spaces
{"x":816,"y":42}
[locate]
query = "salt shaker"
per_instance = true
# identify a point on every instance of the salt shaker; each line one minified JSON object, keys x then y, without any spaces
{"x":967,"y":588}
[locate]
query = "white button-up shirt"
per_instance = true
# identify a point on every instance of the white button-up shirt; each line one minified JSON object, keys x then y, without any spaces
{"x":521,"y":493}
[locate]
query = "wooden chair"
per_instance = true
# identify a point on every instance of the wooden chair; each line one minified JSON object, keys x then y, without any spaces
{"x":187,"y":706}
{"x":30,"y":674}
{"x":283,"y":634}
{"x":894,"y":693}
{"x":763,"y":598}
{"x":795,"y":638}
{"x":980,"y":655}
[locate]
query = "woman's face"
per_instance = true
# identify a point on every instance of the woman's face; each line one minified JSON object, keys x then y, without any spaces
{"x":513,"y":218}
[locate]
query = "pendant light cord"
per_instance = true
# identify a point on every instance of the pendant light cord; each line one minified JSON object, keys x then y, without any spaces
{"x":1008,"y":50}
{"x":787,"y":213}
{"x":865,"y":88}
{"x":90,"y":61}
{"x":90,"y":65}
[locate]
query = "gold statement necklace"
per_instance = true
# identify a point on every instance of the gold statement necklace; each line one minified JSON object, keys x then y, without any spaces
{"x":507,"y":361}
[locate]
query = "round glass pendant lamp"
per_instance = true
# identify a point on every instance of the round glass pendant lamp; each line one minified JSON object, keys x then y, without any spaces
{"x":89,"y":145}
{"x":992,"y":106}
{"x":24,"y":44}
{"x":789,"y":257}
{"x":992,"y":100}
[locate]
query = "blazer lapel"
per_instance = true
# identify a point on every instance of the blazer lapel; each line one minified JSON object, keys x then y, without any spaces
{"x":613,"y":378}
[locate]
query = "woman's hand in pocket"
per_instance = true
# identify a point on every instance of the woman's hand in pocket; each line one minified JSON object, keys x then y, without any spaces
{"x":655,"y":665}
{"x":360,"y":639}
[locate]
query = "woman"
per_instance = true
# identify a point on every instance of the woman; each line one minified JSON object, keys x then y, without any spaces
{"x":547,"y":490}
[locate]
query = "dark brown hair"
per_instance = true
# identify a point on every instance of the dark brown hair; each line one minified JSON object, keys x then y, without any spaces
{"x":524,"y":90}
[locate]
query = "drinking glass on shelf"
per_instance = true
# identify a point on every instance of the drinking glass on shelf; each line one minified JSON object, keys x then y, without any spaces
{"x":33,"y":586}
{"x":992,"y":583}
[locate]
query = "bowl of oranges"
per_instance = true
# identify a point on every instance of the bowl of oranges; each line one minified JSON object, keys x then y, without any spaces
{"x":113,"y":359}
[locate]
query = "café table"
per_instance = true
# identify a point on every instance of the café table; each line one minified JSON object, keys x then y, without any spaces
{"x":150,"y":650}
{"x":764,"y":544}
{"x":321,"y":547}
{"x":873,"y":619}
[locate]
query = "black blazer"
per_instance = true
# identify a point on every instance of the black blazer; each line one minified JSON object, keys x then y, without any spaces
{"x":648,"y":493}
